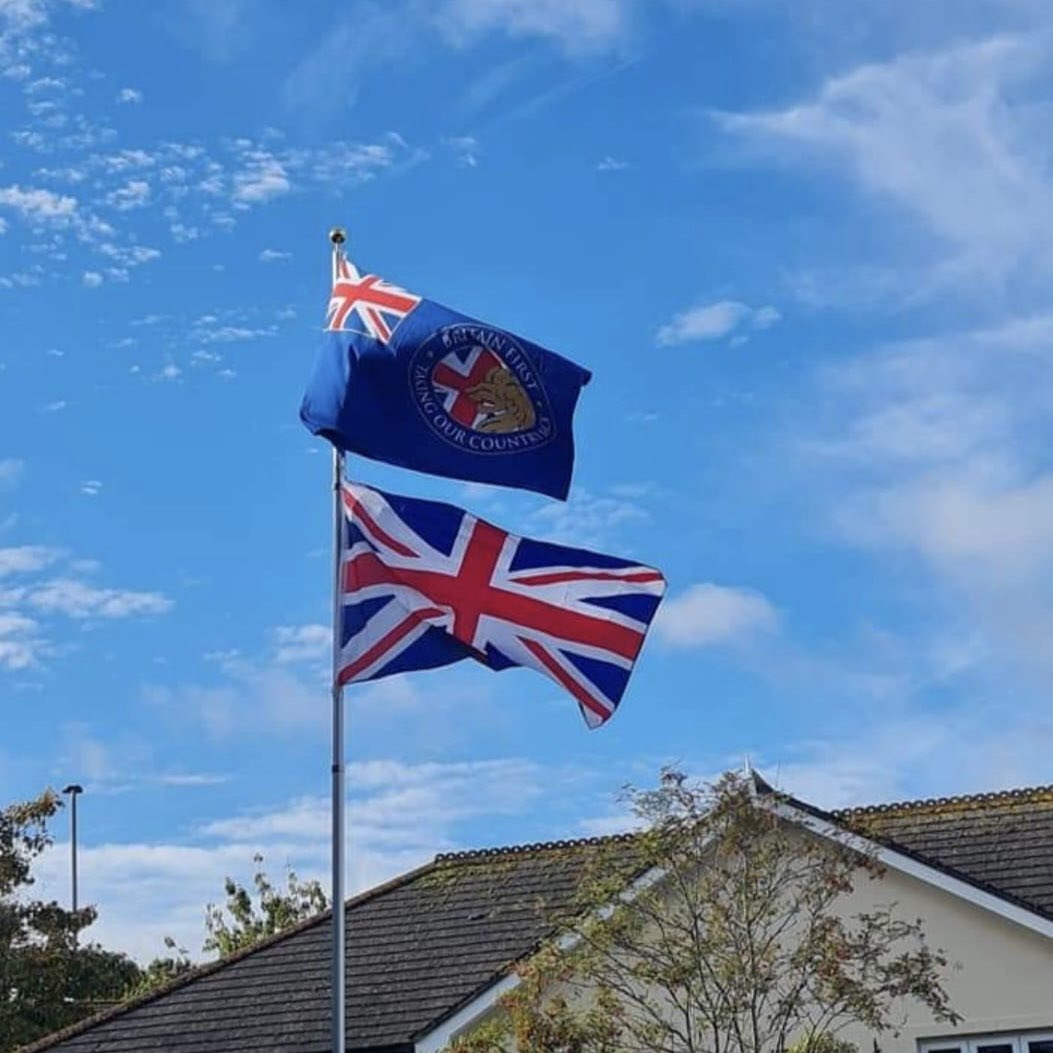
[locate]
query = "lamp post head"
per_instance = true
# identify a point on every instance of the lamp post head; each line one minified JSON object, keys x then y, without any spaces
{"x":73,"y":788}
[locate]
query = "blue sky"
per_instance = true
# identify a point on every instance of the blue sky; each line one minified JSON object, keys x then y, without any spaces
{"x":805,"y":251}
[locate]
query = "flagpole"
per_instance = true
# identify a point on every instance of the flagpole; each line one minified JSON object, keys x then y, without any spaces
{"x":339,"y":966}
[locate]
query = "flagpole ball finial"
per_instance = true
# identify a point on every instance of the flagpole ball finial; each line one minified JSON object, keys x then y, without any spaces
{"x":338,"y":235}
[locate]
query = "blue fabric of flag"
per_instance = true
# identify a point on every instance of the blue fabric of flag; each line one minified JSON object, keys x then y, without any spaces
{"x":404,"y":380}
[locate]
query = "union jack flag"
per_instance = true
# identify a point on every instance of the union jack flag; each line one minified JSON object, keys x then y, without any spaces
{"x":378,"y":306}
{"x":424,"y":584}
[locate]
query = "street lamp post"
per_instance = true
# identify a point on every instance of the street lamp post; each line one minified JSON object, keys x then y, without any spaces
{"x":73,"y":790}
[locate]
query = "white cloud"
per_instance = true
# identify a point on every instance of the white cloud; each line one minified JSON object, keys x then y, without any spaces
{"x":611,"y":164}
{"x":714,"y":321}
{"x":582,"y":25}
{"x":273,"y":255}
{"x":39,"y":205}
{"x":401,"y":814}
{"x":181,"y":233}
{"x":133,"y":194}
{"x":968,"y":746}
{"x":229,"y":334}
{"x":91,"y":279}
{"x":25,"y":559}
{"x":78,"y":600}
{"x":302,"y":642}
{"x":263,"y":178}
{"x":466,"y":148}
{"x":170,"y":372}
{"x":91,"y":487}
{"x":54,"y":407}
{"x":947,"y":137}
{"x":706,"y":615}
{"x":20,"y":643}
{"x":585,"y":519}
{"x":192,"y":779}
{"x":20,"y":15}
{"x":933,"y":451}
{"x":129,"y":95}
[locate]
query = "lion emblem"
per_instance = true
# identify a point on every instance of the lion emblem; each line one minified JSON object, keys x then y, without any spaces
{"x":503,"y":402}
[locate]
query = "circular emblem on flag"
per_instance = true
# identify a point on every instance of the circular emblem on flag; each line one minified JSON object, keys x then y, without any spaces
{"x":478,"y":389}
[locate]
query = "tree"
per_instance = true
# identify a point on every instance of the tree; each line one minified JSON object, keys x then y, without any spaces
{"x":737,"y":940}
{"x":49,"y":979}
{"x":161,"y":970}
{"x":238,"y":925}
{"x":243,"y":923}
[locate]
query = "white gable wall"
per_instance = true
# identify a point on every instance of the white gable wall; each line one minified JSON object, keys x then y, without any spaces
{"x":1000,"y":976}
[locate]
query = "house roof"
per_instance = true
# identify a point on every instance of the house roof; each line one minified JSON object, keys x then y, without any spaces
{"x":1001,"y":841}
{"x":417,"y":949}
{"x":428,"y":943}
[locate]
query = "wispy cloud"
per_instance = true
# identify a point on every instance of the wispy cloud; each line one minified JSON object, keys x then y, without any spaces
{"x":191,"y":778}
{"x":465,"y":149}
{"x":39,"y":205}
{"x":946,"y":137}
{"x":706,"y":615}
{"x":129,"y":95}
{"x":402,"y":814}
{"x":25,"y":559}
{"x":302,"y":642}
{"x":262,"y":178}
{"x":133,"y":194}
{"x":273,"y":255}
{"x":930,"y":453}
{"x":21,"y":643}
{"x":77,"y":599}
{"x":583,"y":25}
{"x":714,"y":321}
{"x":587,"y":519}
{"x":611,"y":164}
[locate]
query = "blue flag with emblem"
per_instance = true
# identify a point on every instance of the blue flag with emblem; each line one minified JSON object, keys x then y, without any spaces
{"x":402,"y":379}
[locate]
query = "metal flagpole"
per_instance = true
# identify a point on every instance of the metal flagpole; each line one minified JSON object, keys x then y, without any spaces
{"x":339,"y":974}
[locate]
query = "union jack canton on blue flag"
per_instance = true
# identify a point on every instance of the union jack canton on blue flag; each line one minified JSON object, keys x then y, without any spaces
{"x":424,"y":584}
{"x":404,"y":380}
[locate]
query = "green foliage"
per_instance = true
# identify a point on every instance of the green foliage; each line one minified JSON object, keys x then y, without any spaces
{"x":542,"y":1022}
{"x":244,"y":922}
{"x":161,"y":971}
{"x":48,"y":978}
{"x":743,"y":944}
{"x":821,"y":1042}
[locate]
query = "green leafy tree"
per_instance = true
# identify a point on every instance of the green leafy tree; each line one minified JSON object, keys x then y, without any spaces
{"x":251,"y":916}
{"x":739,"y":941}
{"x":161,"y":970}
{"x":49,"y":978}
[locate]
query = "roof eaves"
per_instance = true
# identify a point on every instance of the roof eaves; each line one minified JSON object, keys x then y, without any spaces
{"x":1023,"y":795}
{"x":503,"y":851}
